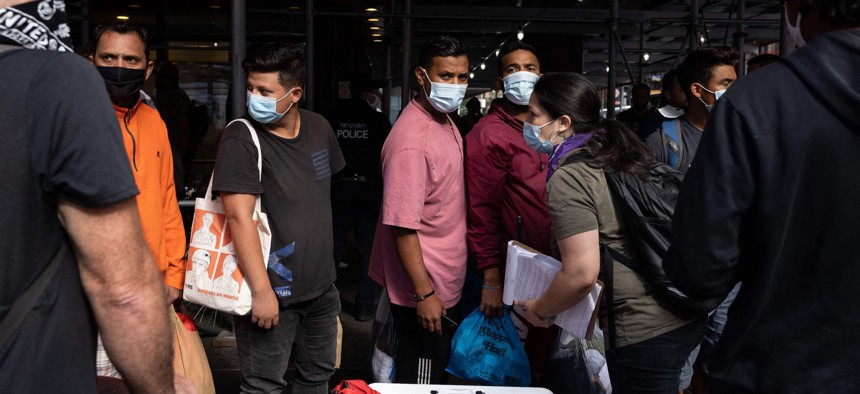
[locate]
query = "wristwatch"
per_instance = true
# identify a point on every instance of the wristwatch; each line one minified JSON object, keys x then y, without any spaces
{"x":419,"y":298}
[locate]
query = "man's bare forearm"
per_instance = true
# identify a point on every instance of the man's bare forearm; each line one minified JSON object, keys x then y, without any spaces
{"x":125,"y":289}
{"x":240,"y":209}
{"x":409,"y":249}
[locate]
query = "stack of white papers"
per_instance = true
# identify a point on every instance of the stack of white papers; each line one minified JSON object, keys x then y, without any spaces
{"x":528,"y":275}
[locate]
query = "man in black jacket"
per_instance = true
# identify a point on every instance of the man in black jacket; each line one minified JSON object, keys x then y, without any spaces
{"x":770,"y":200}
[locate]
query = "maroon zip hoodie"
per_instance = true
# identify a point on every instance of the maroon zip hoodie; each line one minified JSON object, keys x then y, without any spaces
{"x":506,"y":186}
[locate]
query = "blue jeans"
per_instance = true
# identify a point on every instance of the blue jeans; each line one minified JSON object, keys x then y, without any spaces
{"x":653,"y":365}
{"x":265,"y":354}
{"x":716,"y":322}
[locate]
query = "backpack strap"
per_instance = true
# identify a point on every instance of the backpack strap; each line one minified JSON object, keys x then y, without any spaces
{"x":606,"y":267}
{"x":674,"y":151}
{"x":27,"y":300}
{"x":617,"y":256}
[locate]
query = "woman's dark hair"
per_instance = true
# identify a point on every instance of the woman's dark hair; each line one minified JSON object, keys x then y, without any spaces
{"x":288,"y":60}
{"x":613,"y":144}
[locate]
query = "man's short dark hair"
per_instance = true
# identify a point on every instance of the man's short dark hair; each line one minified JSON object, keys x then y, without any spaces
{"x":641,"y":86}
{"x":285,"y":59}
{"x":121,"y":28}
{"x":763,"y":59}
{"x":442,"y":46}
{"x":511,"y":47}
{"x":668,"y":77}
{"x":700,"y":63}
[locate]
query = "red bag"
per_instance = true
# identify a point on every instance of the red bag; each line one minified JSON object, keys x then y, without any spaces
{"x":353,"y":387}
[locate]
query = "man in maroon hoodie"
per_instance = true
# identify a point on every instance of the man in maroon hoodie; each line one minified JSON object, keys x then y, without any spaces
{"x":506,"y":181}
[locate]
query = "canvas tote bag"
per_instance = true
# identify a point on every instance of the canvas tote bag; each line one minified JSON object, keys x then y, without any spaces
{"x":213,"y":277}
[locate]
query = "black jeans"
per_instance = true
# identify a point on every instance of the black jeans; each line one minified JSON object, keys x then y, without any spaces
{"x":356,"y":205}
{"x":310,"y":326}
{"x":422,"y":356}
{"x":654,"y":365}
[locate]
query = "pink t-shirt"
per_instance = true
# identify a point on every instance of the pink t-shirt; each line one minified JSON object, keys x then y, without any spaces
{"x":424,"y":190}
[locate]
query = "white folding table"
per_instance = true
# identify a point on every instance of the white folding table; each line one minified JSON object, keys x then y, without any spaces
{"x":395,"y":388}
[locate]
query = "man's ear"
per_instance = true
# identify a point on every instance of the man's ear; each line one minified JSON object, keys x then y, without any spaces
{"x":419,"y":75}
{"x":91,"y":59}
{"x":149,"y":67}
{"x":298,"y":93}
{"x":696,"y":90}
{"x":499,"y":83}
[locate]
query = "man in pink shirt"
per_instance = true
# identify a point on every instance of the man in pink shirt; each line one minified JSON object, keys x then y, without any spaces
{"x":419,"y":251}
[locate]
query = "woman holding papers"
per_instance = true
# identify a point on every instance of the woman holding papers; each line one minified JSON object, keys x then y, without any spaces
{"x":650,"y":343}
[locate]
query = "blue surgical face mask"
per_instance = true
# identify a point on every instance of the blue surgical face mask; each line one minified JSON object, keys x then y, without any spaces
{"x":519,"y":86}
{"x":445,"y":97}
{"x":717,"y":94}
{"x":265,"y":109}
{"x":532,"y":135}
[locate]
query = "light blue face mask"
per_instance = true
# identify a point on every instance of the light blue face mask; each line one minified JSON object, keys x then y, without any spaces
{"x":265,"y":109}
{"x":445,"y":97}
{"x":519,"y":86}
{"x":532,"y":135}
{"x":717,"y":94}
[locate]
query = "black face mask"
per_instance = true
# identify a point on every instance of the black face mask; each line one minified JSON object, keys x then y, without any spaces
{"x":123,"y":84}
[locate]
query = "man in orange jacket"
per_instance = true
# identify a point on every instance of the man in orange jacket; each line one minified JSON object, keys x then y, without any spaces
{"x":121,"y":55}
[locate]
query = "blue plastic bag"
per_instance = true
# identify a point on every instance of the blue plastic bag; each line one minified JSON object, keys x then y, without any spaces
{"x":487,"y":350}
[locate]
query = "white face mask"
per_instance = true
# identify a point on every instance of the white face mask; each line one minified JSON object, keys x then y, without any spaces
{"x":670,"y":112}
{"x":445,"y":97}
{"x":717,"y":94}
{"x":794,"y":31}
{"x":519,"y":86}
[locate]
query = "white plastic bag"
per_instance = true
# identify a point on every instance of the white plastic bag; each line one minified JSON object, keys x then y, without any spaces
{"x":384,"y":342}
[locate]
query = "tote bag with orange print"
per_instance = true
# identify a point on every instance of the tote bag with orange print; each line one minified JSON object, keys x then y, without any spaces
{"x":214,"y":278}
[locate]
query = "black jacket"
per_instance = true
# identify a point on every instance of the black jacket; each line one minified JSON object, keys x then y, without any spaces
{"x":773,"y":199}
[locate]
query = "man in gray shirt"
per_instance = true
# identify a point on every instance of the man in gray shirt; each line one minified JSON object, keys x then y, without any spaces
{"x":704,"y":75}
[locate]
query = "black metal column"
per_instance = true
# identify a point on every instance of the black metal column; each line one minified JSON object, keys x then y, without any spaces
{"x":694,"y":26}
{"x":162,"y":53}
{"x":386,"y":94}
{"x":740,"y":37}
{"x":406,"y":72}
{"x":610,"y":90}
{"x":237,"y":54}
{"x":85,"y":24}
{"x":309,"y":54}
{"x":642,"y":54}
